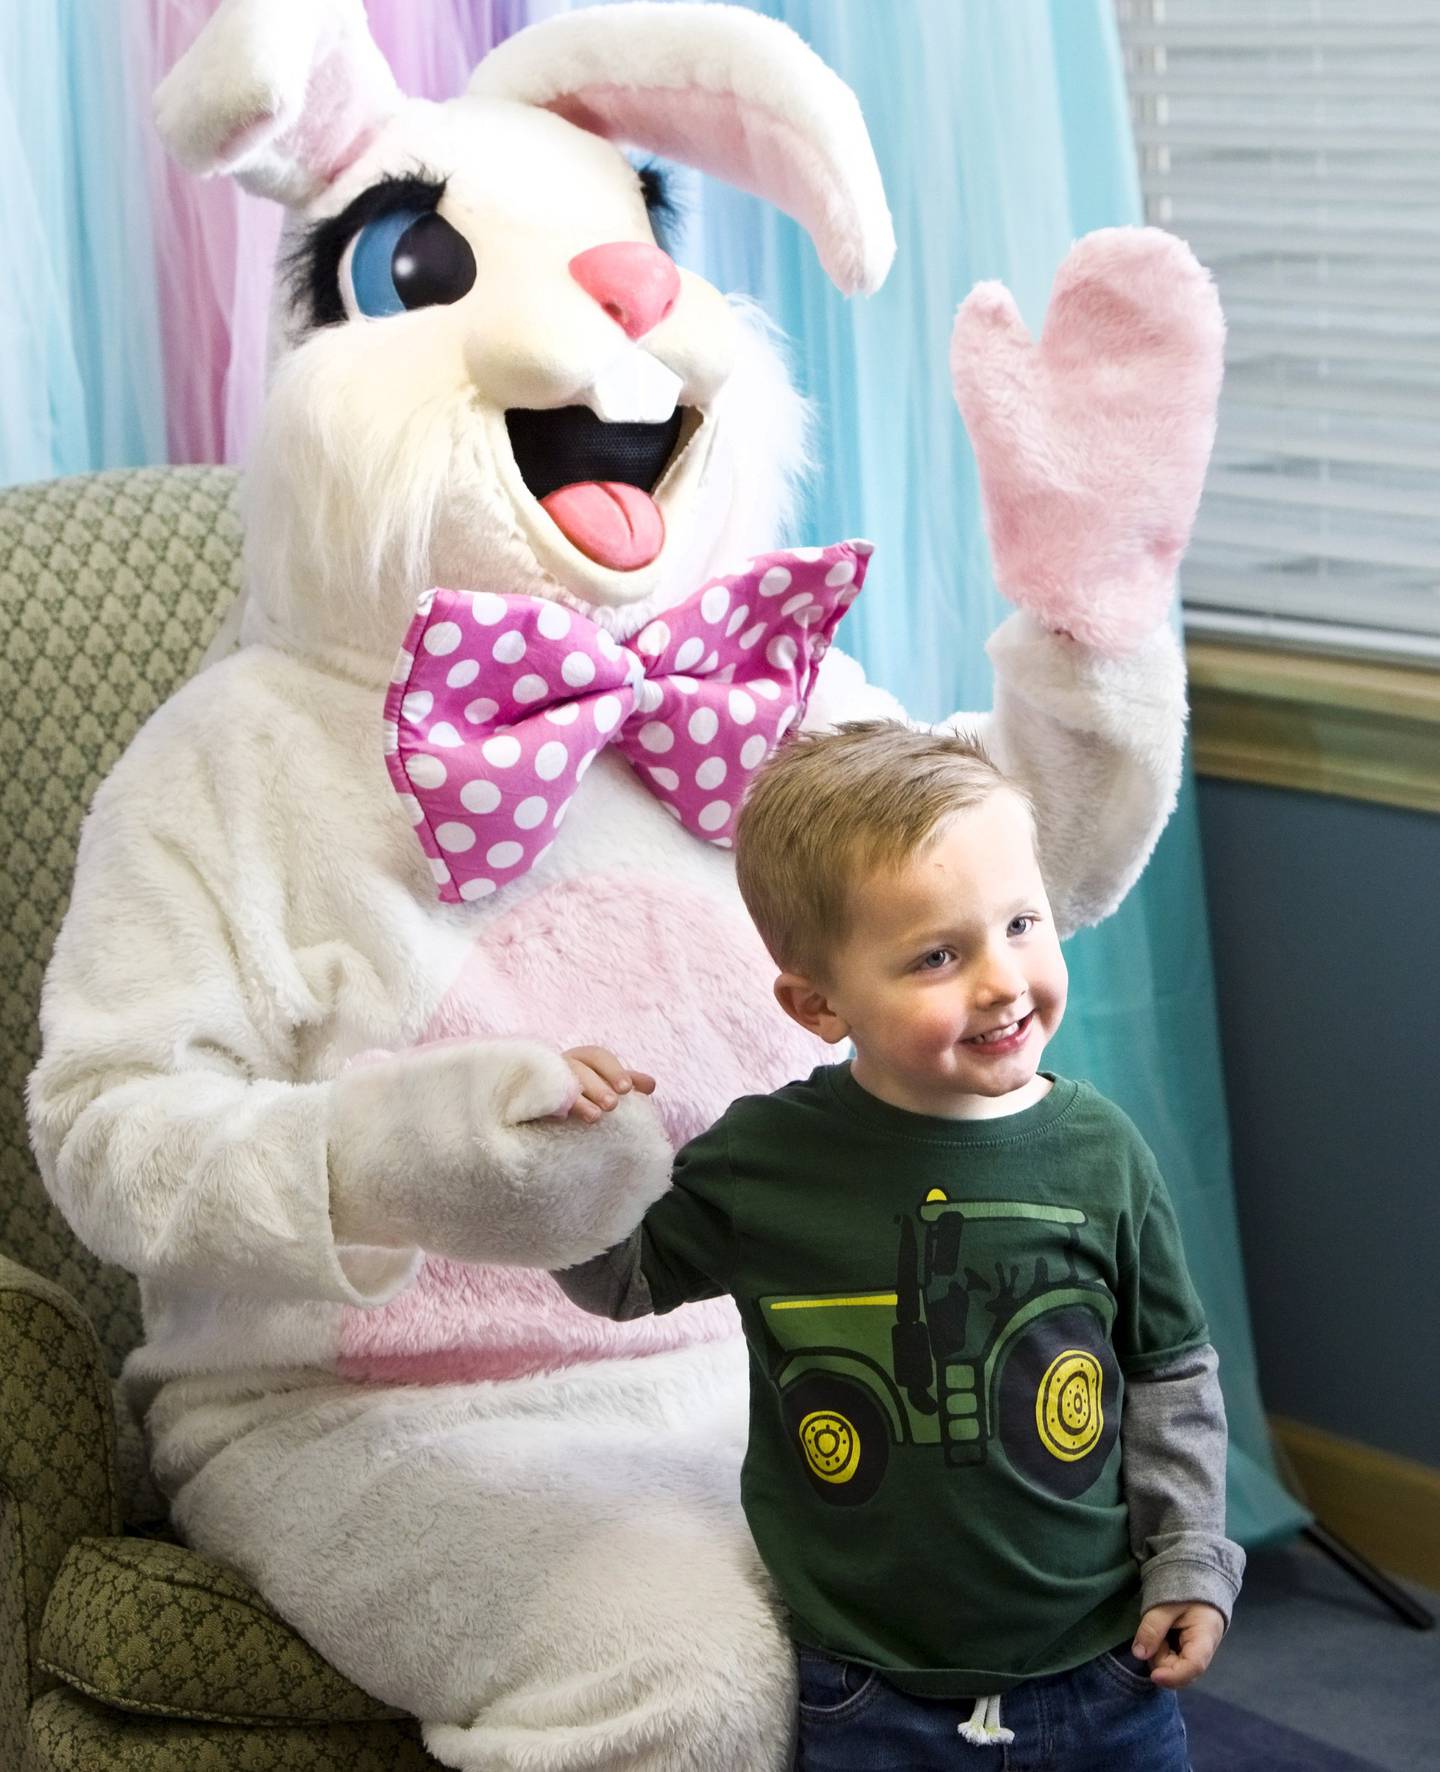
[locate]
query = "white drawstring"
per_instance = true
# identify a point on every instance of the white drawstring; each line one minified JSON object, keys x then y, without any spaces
{"x":983,"y":1729}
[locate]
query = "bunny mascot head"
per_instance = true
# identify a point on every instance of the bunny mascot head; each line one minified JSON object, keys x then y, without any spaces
{"x":550,"y":405}
{"x":516,"y":639}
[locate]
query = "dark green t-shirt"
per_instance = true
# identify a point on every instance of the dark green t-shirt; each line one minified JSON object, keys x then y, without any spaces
{"x":941,"y":1315}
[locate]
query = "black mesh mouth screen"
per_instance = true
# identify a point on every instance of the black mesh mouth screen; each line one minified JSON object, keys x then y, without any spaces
{"x":570,"y":444}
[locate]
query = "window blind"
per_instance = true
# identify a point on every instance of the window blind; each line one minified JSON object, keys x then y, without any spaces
{"x":1296,"y":145}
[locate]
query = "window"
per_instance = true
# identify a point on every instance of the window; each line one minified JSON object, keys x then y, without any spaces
{"x":1296,"y":145}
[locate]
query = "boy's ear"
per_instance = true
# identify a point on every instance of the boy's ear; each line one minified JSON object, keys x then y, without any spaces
{"x":806,"y":1002}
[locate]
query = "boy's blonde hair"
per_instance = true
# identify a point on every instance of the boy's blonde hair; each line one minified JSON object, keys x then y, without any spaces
{"x":830,"y":807}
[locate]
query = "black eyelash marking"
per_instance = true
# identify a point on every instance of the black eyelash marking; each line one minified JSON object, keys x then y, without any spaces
{"x":657,"y":186}
{"x":312,"y":268}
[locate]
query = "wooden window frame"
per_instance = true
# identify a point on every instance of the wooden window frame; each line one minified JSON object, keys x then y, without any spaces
{"x":1322,"y":725}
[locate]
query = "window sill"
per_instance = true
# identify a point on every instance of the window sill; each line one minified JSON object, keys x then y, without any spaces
{"x":1317,"y":724}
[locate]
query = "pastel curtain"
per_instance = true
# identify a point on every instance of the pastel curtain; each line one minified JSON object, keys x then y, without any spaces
{"x":112,"y":248}
{"x":1002,"y":133}
{"x":80,"y":383}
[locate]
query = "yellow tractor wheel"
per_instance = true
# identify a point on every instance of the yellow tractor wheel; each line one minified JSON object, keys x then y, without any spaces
{"x":841,"y":1437}
{"x":1058,"y":1401}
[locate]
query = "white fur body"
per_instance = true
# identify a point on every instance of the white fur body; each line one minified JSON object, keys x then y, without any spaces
{"x":553,"y":1573}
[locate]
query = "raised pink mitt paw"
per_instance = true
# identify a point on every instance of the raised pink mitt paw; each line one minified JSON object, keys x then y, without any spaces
{"x":1093,"y":443}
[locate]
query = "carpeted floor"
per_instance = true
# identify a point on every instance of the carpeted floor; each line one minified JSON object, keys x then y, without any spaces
{"x":1226,"y":1738}
{"x":1317,"y":1676}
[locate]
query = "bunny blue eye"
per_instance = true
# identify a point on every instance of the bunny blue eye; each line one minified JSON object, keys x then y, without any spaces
{"x":408,"y":258}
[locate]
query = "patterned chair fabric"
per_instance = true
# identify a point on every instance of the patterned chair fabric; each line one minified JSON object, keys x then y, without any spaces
{"x":57,"y":1473}
{"x":75,"y":1734}
{"x":158,"y":1629}
{"x":112,"y":587}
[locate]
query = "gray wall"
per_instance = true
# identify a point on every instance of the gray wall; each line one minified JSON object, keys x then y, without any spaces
{"x":1325,"y":917}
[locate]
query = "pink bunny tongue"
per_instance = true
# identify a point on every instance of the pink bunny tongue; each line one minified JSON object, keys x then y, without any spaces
{"x":614,"y":524}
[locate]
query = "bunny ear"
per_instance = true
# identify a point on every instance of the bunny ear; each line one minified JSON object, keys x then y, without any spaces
{"x":723,"y":89}
{"x":284,"y":94}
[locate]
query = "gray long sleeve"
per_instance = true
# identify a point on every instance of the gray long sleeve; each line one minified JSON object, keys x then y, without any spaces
{"x":1172,"y":1449}
{"x":611,"y":1284}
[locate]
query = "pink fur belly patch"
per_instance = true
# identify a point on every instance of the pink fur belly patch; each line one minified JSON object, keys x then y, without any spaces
{"x":677,"y":983}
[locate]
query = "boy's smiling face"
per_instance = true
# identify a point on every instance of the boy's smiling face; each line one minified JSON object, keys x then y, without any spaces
{"x":950,"y":980}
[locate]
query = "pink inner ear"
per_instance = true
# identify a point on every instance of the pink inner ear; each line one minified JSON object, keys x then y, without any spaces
{"x":339,"y":119}
{"x":239,"y":140}
{"x":341,"y":114}
{"x":744,"y":144}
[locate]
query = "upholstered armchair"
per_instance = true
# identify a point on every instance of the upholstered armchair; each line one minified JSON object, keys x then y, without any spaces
{"x":118,"y":1646}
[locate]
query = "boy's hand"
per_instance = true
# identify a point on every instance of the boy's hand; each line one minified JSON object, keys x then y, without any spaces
{"x":1197,"y":1627}
{"x":603,"y":1080}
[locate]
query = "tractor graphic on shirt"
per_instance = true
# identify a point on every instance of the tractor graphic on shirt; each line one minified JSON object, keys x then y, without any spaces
{"x":959,"y":1354}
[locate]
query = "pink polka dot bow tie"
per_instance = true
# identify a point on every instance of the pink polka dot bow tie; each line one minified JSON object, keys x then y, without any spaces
{"x":498,"y":705}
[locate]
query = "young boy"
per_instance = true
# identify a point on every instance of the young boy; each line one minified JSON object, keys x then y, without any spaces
{"x":986,"y":1437}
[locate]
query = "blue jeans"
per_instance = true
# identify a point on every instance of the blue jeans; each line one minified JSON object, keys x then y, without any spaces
{"x":1104,"y":1716}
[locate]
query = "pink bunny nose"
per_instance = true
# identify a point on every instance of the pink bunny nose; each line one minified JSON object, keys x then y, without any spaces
{"x":634,"y":283}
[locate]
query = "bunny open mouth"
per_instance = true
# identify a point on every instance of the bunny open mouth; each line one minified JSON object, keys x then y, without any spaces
{"x":595,"y":479}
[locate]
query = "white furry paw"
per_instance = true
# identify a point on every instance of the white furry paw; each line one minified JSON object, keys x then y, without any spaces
{"x":537,"y":1084}
{"x":586,"y":1187}
{"x":460,"y":1149}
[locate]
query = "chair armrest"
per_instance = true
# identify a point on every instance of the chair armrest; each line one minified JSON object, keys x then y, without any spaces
{"x":57,"y":1444}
